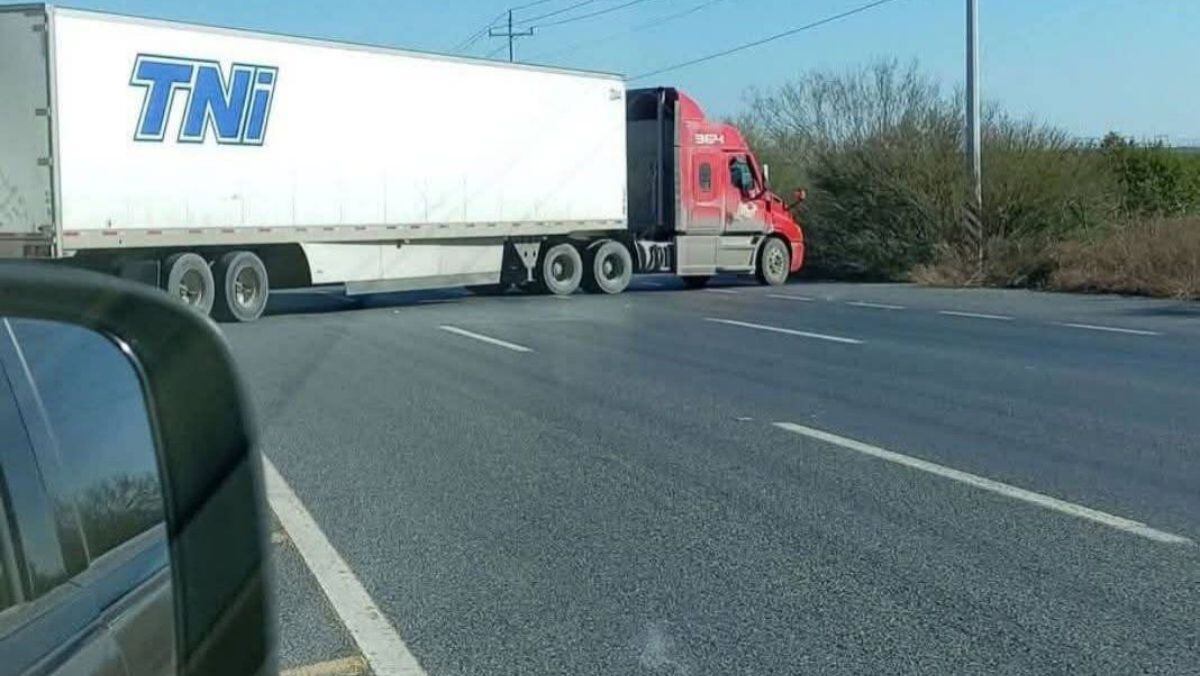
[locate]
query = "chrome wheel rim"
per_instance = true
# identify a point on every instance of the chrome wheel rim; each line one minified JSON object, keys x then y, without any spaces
{"x":612,"y":267}
{"x":191,"y":287}
{"x":562,"y":269}
{"x":246,"y":287}
{"x":776,"y":262}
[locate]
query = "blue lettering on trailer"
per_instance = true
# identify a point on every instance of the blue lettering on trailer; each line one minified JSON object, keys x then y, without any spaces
{"x":235,"y":106}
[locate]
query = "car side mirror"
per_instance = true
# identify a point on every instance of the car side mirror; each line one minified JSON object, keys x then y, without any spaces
{"x":100,"y":370}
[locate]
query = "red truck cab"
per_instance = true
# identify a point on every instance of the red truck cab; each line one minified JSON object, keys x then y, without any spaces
{"x":699,"y":202}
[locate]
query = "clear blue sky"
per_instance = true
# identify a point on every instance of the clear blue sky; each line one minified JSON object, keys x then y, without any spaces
{"x":1087,"y":65}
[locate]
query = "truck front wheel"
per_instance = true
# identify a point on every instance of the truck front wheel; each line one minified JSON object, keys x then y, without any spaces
{"x":773,"y":262}
{"x":189,"y":279}
{"x":242,"y":287}
{"x":609,"y":268}
{"x":561,"y":270}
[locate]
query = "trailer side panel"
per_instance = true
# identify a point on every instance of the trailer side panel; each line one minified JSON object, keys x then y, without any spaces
{"x":26,"y":196}
{"x":223,"y":137}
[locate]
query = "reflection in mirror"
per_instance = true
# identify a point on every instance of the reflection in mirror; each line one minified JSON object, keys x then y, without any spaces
{"x":82,"y":494}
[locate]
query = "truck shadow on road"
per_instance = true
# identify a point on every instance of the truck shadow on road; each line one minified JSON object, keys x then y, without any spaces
{"x":321,"y":301}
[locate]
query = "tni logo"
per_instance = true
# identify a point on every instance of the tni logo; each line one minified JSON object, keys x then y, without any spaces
{"x":235,"y":108}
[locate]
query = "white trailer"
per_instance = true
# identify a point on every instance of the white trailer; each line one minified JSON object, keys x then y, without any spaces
{"x":219,"y":163}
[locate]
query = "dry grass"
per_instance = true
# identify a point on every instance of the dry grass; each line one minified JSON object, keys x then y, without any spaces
{"x":1159,"y":257}
{"x":1008,"y":262}
{"x":1155,"y":258}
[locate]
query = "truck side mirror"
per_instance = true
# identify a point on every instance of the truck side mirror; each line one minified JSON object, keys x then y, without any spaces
{"x":798,"y":197}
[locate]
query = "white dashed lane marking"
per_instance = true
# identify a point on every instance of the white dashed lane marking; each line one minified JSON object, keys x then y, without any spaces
{"x":486,"y":339}
{"x":790,"y":332}
{"x":1110,"y":520}
{"x":1111,"y":329}
{"x":975,"y":315}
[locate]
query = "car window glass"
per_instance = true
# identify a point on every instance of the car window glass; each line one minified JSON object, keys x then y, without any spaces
{"x":28,"y":513}
{"x":706,"y":177}
{"x":12,"y":432}
{"x":96,"y":411}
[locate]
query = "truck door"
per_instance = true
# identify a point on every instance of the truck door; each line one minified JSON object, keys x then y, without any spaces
{"x":707,"y":185}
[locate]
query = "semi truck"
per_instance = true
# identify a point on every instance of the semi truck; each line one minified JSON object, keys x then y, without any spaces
{"x":219,"y":164}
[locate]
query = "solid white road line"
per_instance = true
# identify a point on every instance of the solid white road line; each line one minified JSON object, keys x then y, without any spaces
{"x":877,"y":306}
{"x":487,"y":339}
{"x":381,"y":646}
{"x":976,"y":315}
{"x":730,"y":292}
{"x":1120,"y":523}
{"x":790,"y":332}
{"x":1111,"y":329}
{"x":784,"y":296}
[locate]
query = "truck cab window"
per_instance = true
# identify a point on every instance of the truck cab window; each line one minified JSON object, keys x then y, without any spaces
{"x":705,"y":177}
{"x":741,"y":175}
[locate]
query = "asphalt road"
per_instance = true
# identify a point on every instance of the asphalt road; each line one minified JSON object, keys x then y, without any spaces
{"x":598,"y":485}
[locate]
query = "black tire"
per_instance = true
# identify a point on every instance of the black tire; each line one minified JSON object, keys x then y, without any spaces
{"x":242,"y":287}
{"x":774,"y":262}
{"x":608,"y":268}
{"x":696,"y":281}
{"x":186,"y":276}
{"x":560,"y":271}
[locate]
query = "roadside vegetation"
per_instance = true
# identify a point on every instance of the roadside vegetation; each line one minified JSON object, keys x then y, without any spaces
{"x":879,"y":150}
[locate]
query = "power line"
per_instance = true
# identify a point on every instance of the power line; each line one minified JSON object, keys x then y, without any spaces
{"x":763,"y":41}
{"x":580,"y":17}
{"x":531,"y":4}
{"x":556,"y":12}
{"x":653,"y":23}
{"x":474,"y":37}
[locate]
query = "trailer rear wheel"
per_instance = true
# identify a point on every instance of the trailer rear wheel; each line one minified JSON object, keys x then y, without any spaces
{"x":696,"y":281}
{"x":609,"y":268}
{"x":561,"y":270}
{"x":189,"y":279}
{"x":242,"y":287}
{"x":773,"y":262}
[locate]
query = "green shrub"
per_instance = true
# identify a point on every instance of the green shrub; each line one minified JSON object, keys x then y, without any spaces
{"x":877,"y":150}
{"x":880,"y":151}
{"x":1154,"y":180}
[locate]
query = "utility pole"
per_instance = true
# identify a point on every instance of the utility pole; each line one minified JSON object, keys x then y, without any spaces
{"x":975,"y":207}
{"x":510,"y":35}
